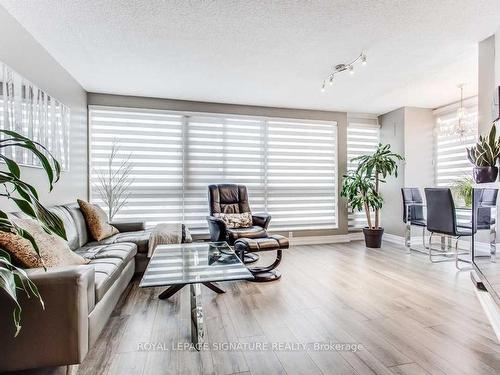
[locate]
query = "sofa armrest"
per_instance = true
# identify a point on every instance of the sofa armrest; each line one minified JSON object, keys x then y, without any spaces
{"x":262,"y":220}
{"x":129,"y":226}
{"x":217,"y":228}
{"x":56,"y":335}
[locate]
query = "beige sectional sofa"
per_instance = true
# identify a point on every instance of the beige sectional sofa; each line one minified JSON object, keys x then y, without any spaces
{"x":78,"y":299}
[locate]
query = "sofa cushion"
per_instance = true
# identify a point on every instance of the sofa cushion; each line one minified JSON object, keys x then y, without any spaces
{"x":81,"y":226}
{"x":139,"y":238}
{"x":250,"y":232}
{"x":69,"y":225}
{"x":109,"y":261}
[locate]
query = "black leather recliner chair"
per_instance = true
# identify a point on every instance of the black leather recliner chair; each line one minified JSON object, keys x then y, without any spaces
{"x":233,"y":199}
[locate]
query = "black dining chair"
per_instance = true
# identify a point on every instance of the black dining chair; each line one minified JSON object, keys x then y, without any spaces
{"x":442,"y":220}
{"x":413,"y":214}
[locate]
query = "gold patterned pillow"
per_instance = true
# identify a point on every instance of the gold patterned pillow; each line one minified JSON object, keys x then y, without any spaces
{"x":97,"y":221}
{"x":243,"y":220}
{"x":54,"y":250}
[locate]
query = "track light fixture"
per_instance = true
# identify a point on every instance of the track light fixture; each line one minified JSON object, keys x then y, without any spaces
{"x":342,"y":68}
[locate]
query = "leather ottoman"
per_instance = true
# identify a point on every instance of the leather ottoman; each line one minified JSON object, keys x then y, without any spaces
{"x":274,"y":242}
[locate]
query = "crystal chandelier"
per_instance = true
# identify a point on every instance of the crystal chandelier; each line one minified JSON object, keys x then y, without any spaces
{"x":461,"y":125}
{"x":342,"y":68}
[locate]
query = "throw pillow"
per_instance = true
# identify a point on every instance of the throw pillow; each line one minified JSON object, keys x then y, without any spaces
{"x":243,"y":220}
{"x":54,"y":250}
{"x":97,"y":221}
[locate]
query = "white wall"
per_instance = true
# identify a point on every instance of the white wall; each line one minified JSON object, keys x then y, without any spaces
{"x":497,"y":57}
{"x":486,"y":82}
{"x":392,"y":131}
{"x":410,"y":132}
{"x":23,"y":53}
{"x":419,"y":148}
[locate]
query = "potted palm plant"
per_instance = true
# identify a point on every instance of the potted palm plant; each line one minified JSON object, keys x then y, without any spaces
{"x":484,"y":156}
{"x":361,"y":188}
{"x":14,"y":280}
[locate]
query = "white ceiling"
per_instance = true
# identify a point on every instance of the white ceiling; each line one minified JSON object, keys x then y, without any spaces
{"x":272,"y":53}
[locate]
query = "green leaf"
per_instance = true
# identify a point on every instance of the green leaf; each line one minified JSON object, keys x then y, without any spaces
{"x":12,"y":165}
{"x":24,"y":206}
{"x":49,"y":163}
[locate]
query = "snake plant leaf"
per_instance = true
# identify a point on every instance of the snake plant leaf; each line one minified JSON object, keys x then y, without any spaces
{"x":492,"y":136}
{"x":486,"y":151}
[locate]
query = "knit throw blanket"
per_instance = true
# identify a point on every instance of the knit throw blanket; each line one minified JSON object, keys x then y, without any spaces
{"x":164,"y":234}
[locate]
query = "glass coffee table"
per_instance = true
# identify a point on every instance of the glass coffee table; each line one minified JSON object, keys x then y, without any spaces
{"x":206,"y":263}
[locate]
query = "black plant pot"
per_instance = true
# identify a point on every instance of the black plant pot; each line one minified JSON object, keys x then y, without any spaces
{"x":484,"y":175}
{"x":373,"y":237}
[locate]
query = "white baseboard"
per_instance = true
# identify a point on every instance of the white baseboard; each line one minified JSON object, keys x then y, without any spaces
{"x":357,"y":236}
{"x":320,"y":240}
{"x":392,"y":238}
{"x":491,"y":309}
{"x":462,"y":243}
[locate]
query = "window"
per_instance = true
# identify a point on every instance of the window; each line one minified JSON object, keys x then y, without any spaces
{"x":451,"y":163}
{"x":154,"y":141}
{"x":363,"y":136}
{"x":301,"y":175}
{"x":28,"y":110}
{"x":221,"y":150}
{"x":289,"y":166}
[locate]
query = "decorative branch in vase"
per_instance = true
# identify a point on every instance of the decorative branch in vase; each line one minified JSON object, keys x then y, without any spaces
{"x":113,"y":183}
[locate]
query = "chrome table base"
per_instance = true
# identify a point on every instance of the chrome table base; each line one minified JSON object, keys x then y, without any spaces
{"x":197,"y":321}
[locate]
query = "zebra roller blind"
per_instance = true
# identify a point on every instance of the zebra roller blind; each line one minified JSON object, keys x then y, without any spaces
{"x":363,"y":136}
{"x":289,"y":166}
{"x":451,"y":163}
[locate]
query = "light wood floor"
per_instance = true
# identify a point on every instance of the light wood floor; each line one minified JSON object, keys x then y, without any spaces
{"x":411,"y":317}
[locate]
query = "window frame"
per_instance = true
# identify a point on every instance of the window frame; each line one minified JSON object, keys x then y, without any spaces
{"x":185,"y":120}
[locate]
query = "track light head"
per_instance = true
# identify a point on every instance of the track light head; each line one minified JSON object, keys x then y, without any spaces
{"x":339,"y":68}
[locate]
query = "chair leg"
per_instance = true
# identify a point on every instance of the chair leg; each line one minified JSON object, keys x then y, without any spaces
{"x":423,"y":237}
{"x":442,"y":253}
{"x":430,"y":247}
{"x":493,"y":242}
{"x":458,"y":259}
{"x":408,"y":237}
{"x":408,"y":240}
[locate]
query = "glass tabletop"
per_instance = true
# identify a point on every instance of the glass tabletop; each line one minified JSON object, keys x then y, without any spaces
{"x":193,"y":263}
{"x":459,"y":207}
